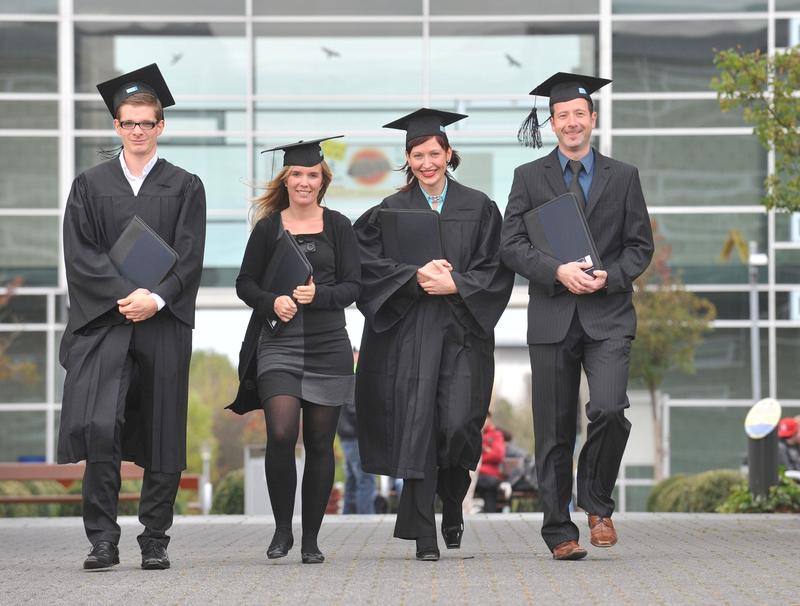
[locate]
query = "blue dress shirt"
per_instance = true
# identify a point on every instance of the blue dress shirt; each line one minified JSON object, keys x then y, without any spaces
{"x":441,"y":197}
{"x":584,"y":177}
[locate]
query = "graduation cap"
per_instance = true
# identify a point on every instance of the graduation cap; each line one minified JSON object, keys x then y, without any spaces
{"x":559,"y":87}
{"x":145,"y":79}
{"x":425,"y":123}
{"x":302,"y":153}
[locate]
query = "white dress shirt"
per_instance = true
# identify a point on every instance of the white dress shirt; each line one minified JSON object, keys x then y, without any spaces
{"x":136,"y":185}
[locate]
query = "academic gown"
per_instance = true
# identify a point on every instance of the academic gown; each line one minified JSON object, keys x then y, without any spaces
{"x":427,"y":362}
{"x":96,"y":341}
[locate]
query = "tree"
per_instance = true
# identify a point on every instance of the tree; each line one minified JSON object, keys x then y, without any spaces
{"x":764,"y":87}
{"x":671,"y":324}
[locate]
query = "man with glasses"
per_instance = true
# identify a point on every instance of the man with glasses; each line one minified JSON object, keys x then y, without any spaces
{"x":126,"y":348}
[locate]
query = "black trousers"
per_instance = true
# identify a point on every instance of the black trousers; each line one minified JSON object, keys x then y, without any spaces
{"x":556,"y":371}
{"x":101,"y":485}
{"x":416,"y":510}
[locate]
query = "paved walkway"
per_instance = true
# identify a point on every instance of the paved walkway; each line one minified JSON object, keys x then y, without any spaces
{"x":661,"y":559}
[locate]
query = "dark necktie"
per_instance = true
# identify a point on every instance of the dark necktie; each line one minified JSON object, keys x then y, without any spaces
{"x":575,"y":186}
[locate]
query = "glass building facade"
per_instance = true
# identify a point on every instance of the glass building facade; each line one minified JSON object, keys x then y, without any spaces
{"x":250,"y":74}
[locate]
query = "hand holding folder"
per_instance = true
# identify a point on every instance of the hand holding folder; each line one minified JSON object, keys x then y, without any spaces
{"x":558,"y":228}
{"x":141,"y":255}
{"x":287,"y":269}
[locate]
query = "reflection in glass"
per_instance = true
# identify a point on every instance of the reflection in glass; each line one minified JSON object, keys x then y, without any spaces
{"x":788,"y":357}
{"x":787,"y":267}
{"x":677,"y":55}
{"x":215,"y":115}
{"x":28,"y":114}
{"x":692,"y":171}
{"x":735,"y":305}
{"x":787,"y":5}
{"x":22,"y":367}
{"x":697,"y":241}
{"x":512,"y":7}
{"x":34,"y":7}
{"x":326,"y":59}
{"x":29,"y":250}
{"x":159,"y":7}
{"x":30,"y":62}
{"x":28,"y":172}
{"x":341,"y":7}
{"x":225,"y":243}
{"x":674,"y":113}
{"x":22,"y":436}
{"x":702,"y":439}
{"x":23,"y":309}
{"x":688,"y":6}
{"x":507,"y":58}
{"x":195,"y":58}
{"x":315,"y":117}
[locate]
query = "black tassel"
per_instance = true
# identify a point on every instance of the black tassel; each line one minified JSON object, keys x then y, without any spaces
{"x":529,"y":133}
{"x":108,"y":153}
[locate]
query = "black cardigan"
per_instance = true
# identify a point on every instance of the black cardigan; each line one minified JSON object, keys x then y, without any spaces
{"x":249,"y":289}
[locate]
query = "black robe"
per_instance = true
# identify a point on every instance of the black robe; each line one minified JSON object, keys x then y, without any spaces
{"x":427,"y":362}
{"x":95,"y":343}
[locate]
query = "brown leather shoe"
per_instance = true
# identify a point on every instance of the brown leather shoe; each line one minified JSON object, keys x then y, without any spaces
{"x":569,"y":550}
{"x":603,"y":533}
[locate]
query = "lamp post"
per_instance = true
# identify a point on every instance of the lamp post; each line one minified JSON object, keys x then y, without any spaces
{"x":754,"y":261}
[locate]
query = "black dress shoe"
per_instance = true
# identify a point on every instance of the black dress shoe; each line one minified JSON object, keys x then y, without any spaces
{"x":104,"y":554}
{"x":428,"y":555}
{"x":312,"y":557}
{"x":154,"y":557}
{"x":452,"y":535}
{"x":280,"y":545}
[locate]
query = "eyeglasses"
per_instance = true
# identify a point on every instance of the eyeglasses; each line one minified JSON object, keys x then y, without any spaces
{"x":144,"y":125}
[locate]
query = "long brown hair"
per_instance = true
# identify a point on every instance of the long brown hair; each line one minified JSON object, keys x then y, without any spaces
{"x":276,"y":197}
{"x":455,"y":159}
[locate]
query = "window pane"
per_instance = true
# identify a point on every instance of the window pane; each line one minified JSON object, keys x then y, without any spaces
{"x":697,"y":241}
{"x":225,"y":242}
{"x":159,"y":7}
{"x":787,"y":5}
{"x":22,"y":436}
{"x":507,"y":56}
{"x":677,"y":55}
{"x":736,"y":305}
{"x":345,"y":59}
{"x":30,"y":64}
{"x":29,"y":249}
{"x":342,"y":7}
{"x":186,"y":116}
{"x":722,"y":363}
{"x":23,"y":7}
{"x":788,"y":360}
{"x":23,"y":309}
{"x":674,"y":114}
{"x":195,"y":58}
{"x":694,"y":171}
{"x":23,"y":367}
{"x":321,"y":117}
{"x":706,"y":438}
{"x":28,"y":172}
{"x":28,"y":114}
{"x":512,"y":7}
{"x":688,"y":6}
{"x":787,"y":267}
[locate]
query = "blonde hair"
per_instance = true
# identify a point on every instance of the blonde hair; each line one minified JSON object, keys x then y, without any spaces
{"x":276,"y":197}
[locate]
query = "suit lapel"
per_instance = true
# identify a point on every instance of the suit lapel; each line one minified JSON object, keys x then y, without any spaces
{"x":602,"y":171}
{"x":553,"y":173}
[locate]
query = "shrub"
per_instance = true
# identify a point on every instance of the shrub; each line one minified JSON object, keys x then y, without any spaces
{"x":229,"y":494}
{"x":656,"y":500}
{"x":700,"y":493}
{"x":782,"y":498}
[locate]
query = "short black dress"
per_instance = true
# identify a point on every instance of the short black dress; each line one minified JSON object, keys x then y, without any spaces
{"x":310,"y":357}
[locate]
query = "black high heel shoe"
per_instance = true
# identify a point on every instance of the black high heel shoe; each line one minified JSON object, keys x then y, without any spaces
{"x":312,"y":557}
{"x":280,"y":545}
{"x":452,"y":535}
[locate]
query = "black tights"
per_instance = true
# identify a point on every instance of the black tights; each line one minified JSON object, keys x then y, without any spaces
{"x":282,"y":414}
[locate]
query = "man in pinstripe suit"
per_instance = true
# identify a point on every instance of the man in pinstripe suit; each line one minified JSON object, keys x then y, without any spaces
{"x":578,"y":318}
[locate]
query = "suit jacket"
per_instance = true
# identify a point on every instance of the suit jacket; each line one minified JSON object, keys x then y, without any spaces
{"x":620,"y":225}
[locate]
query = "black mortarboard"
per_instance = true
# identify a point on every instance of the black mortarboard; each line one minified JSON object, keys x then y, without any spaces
{"x":559,"y":87}
{"x":425,"y":123}
{"x":302,"y":153}
{"x":145,"y":79}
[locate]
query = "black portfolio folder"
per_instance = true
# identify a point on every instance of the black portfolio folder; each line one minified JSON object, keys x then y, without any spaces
{"x":559,"y":229}
{"x":411,"y":236}
{"x":141,"y":255}
{"x":288,"y":268}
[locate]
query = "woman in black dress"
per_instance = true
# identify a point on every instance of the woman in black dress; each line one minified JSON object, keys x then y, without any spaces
{"x":426,"y":364}
{"x":307,"y":364}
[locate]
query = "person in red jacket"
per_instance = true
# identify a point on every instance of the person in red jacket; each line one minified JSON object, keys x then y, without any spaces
{"x":490,"y":476}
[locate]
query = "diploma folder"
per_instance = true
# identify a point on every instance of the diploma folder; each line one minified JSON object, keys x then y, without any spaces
{"x":558,"y":228}
{"x":287,"y":269}
{"x":141,"y":255}
{"x":411,"y":236}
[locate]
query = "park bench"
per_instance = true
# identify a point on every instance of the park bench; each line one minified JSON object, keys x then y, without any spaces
{"x":66,"y":475}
